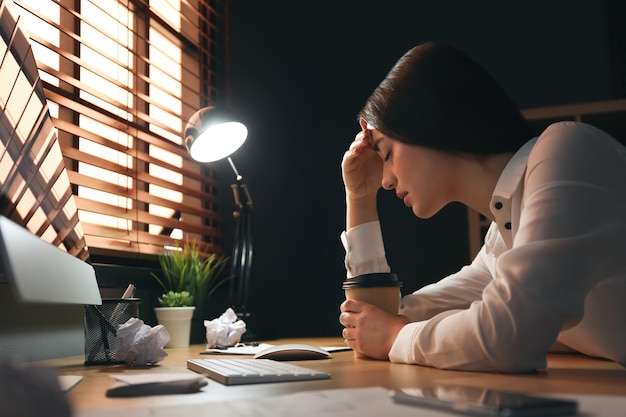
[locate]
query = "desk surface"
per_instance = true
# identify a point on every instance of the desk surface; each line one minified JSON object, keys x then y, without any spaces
{"x":566,"y":373}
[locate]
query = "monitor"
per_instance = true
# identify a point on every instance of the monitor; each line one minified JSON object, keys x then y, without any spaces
{"x":40,"y":272}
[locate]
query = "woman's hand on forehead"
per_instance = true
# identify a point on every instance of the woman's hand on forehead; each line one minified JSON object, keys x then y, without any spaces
{"x":366,"y":129}
{"x":365,"y":125}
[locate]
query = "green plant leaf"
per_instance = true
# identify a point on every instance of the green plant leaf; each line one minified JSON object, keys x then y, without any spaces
{"x":176,"y":299}
{"x":187,"y":270}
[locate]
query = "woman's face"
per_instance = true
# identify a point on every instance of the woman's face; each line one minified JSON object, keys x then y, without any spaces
{"x":422,"y":177}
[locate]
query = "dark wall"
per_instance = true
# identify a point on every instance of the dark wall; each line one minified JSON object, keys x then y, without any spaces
{"x":300,"y":73}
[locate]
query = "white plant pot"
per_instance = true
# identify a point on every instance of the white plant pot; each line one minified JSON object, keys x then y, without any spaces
{"x":177,"y":322}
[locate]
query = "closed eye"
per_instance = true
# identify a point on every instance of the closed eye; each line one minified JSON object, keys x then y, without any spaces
{"x":375,"y":146}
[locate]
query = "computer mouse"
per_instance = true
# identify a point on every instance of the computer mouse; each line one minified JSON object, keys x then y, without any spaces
{"x":293,"y":352}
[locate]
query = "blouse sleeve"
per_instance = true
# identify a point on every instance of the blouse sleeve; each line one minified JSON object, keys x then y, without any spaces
{"x":571,"y":235}
{"x":365,"y":252}
{"x":456,"y":291}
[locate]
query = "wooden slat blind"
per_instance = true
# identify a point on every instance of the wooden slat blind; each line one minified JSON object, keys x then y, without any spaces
{"x":34,"y":187}
{"x":121,"y":78}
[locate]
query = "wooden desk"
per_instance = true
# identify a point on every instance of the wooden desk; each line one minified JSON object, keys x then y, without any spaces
{"x":570,"y":374}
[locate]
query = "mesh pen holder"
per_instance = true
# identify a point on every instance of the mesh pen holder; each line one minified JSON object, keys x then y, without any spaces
{"x":101,"y":324}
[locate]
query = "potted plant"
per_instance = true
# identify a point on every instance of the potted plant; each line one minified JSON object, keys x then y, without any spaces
{"x":189,"y":278}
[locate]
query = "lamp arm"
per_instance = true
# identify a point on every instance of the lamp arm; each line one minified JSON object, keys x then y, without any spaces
{"x":242,"y":257}
{"x":242,"y":249}
{"x":246,"y":192}
{"x":240,"y":186}
{"x":232,"y":165}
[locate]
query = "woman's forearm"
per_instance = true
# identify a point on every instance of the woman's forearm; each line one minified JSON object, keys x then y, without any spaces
{"x":360,"y":211}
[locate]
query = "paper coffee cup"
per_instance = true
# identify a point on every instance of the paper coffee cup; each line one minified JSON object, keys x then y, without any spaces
{"x":379,"y":289}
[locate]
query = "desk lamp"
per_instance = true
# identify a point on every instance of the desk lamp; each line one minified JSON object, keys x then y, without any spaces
{"x":211,"y":134}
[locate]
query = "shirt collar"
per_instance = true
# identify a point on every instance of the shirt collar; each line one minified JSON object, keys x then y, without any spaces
{"x":512,"y":174}
{"x":504,"y":193}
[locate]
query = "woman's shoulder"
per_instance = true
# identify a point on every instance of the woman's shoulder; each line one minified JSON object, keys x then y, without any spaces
{"x":574,"y":131}
{"x":577,"y":149}
{"x":570,"y":139}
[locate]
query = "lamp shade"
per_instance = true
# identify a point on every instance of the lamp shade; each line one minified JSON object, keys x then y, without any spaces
{"x":213,"y":133}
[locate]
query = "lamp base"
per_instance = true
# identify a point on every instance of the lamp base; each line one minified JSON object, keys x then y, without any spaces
{"x":248,"y":336}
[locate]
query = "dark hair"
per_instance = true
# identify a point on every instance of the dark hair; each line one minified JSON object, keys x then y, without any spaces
{"x":436,"y":96}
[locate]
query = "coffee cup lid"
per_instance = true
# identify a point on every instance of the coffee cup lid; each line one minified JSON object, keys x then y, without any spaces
{"x":380,"y":279}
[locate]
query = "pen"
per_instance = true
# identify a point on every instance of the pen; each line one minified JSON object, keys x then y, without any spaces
{"x":253,"y":344}
{"x":105,"y":327}
{"x":119,"y":309}
{"x":238,"y":345}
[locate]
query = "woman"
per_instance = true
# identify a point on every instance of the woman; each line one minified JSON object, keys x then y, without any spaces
{"x":552,"y":271}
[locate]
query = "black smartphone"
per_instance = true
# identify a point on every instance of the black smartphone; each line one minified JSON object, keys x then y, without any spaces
{"x":474,"y":401}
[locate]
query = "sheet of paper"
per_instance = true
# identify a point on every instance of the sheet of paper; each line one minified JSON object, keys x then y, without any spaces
{"x":240,"y":350}
{"x":349,"y":402}
{"x":253,"y":350}
{"x":336,"y":348}
{"x":67,"y":382}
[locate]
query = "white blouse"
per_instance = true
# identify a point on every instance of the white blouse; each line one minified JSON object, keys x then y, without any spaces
{"x":552,"y":268}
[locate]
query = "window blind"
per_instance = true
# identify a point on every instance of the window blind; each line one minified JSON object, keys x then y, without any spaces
{"x":34,"y":187}
{"x":121,"y":78}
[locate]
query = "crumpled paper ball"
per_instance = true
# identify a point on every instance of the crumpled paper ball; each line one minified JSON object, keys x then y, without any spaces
{"x":139,"y":344}
{"x":225,"y":330}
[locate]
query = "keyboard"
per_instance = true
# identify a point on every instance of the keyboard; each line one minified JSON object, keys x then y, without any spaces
{"x":252,"y":371}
